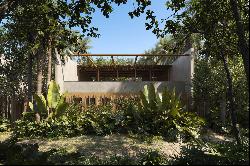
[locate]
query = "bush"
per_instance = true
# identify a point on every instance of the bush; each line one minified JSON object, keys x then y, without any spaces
{"x":166,"y":118}
{"x":61,"y":157}
{"x":209,"y":84}
{"x":152,"y":157}
{"x":24,"y":154}
{"x":4,"y":124}
{"x":227,"y":153}
{"x":164,"y":114}
{"x":98,"y":120}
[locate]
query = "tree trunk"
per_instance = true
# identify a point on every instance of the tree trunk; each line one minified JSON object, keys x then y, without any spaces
{"x":13,"y":109}
{"x":243,"y":45}
{"x":49,"y":64}
{"x":232,"y":110}
{"x":223,"y":106}
{"x":30,"y":88}
{"x":39,"y":79}
{"x":39,"y":75}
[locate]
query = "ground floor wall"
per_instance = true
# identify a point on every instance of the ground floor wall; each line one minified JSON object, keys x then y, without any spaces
{"x":100,"y":92}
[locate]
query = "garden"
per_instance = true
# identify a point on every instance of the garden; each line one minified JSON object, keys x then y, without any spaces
{"x":201,"y":45}
{"x":150,"y":129}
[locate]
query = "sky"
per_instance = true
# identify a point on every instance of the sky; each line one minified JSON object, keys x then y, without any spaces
{"x":122,"y":35}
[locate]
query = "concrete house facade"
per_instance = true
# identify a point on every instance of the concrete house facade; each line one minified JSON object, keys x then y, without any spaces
{"x":88,"y":84}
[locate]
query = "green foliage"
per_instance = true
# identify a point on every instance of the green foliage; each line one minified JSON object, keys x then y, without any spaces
{"x":4,"y":124}
{"x":164,"y":114}
{"x":61,"y":157}
{"x":26,"y":154}
{"x":41,"y":103}
{"x":210,"y":87}
{"x":56,"y":102}
{"x":29,"y":154}
{"x":53,"y":95}
{"x":226,"y":153}
{"x":149,"y":115}
{"x":99,"y":120}
{"x":152,"y":157}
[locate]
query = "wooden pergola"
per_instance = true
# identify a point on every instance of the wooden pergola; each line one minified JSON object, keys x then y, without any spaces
{"x":129,"y":55}
{"x":136,"y":55}
{"x":137,"y":70}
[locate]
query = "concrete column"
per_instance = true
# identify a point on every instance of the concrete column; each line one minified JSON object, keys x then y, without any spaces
{"x":59,"y":74}
{"x":65,"y":72}
{"x":182,"y":70}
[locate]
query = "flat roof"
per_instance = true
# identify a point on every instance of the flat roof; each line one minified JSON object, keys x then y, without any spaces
{"x":76,"y":54}
{"x":124,"y":67}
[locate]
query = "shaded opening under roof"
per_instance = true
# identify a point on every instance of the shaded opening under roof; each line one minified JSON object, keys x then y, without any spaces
{"x":124,"y":73}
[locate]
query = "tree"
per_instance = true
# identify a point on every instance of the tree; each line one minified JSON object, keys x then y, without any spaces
{"x":241,"y":29}
{"x":165,"y":45}
{"x":200,"y":16}
{"x":38,"y":26}
{"x":30,"y":27}
{"x":211,"y":19}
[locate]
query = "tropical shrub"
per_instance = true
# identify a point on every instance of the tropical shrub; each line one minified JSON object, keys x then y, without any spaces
{"x":223,"y":153}
{"x":165,"y":115}
{"x":129,"y":115}
{"x":149,"y":115}
{"x":51,"y":108}
{"x":152,"y":157}
{"x":98,"y":120}
{"x":4,"y":124}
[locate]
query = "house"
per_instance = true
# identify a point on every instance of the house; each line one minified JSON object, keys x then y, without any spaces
{"x":94,"y":84}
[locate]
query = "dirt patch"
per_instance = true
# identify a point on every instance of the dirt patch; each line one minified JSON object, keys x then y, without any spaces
{"x":106,"y":146}
{"x":211,"y":136}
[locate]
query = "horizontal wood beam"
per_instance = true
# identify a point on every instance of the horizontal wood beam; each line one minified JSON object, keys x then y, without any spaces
{"x":75,"y":54}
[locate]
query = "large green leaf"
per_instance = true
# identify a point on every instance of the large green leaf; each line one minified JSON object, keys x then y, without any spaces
{"x":159,"y":98}
{"x":165,"y":99}
{"x":151,"y":94}
{"x":143,"y":100}
{"x":61,"y":107}
{"x":174,"y":112}
{"x":41,"y":103}
{"x":31,"y":106}
{"x":145,"y":92}
{"x":53,"y":96}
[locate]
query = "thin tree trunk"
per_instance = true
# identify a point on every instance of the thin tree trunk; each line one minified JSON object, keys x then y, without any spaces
{"x":232,"y":110}
{"x":243,"y":45}
{"x":30,"y":87}
{"x":39,"y":75}
{"x":49,"y":63}
{"x":49,"y":67}
{"x":39,"y":79}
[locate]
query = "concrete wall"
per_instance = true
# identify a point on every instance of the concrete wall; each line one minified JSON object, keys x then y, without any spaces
{"x":59,"y":78}
{"x":180,"y":74}
{"x":118,"y":87}
{"x":70,"y":70}
{"x":183,"y":68}
{"x":65,"y":72}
